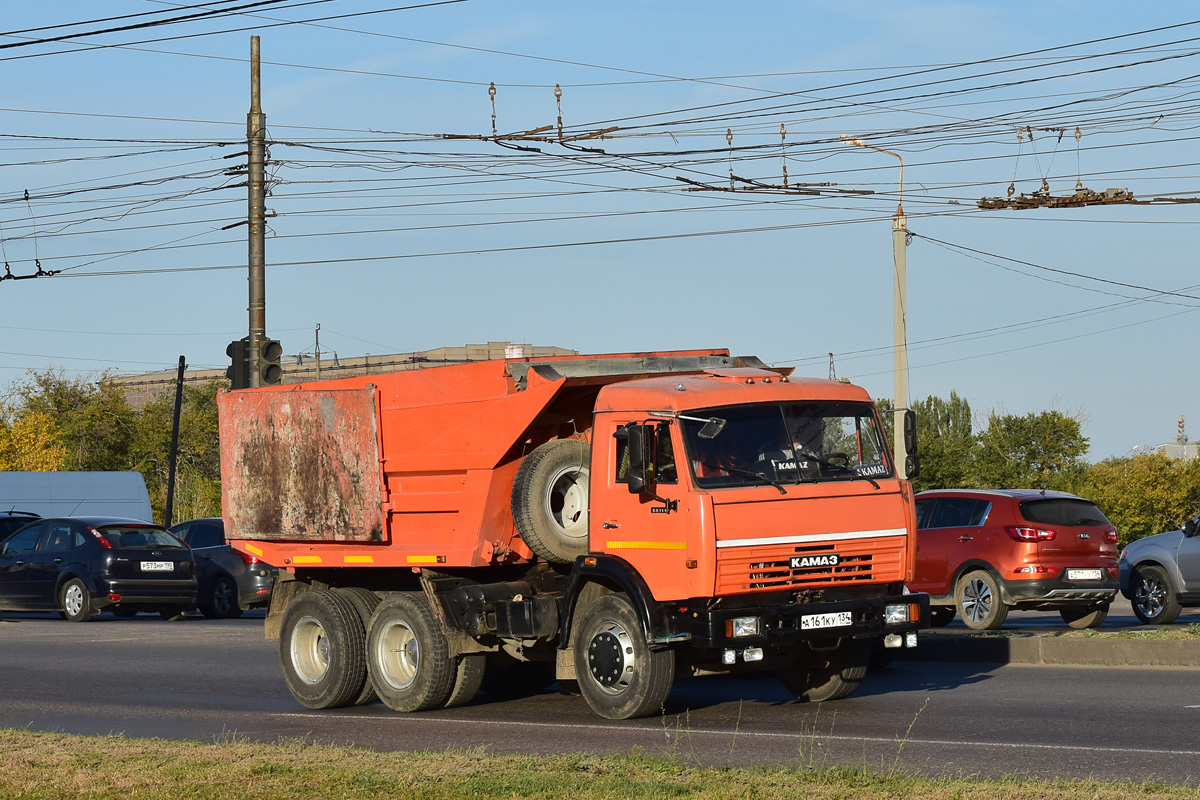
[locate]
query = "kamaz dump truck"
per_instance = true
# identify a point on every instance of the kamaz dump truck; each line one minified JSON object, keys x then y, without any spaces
{"x":603,"y":521}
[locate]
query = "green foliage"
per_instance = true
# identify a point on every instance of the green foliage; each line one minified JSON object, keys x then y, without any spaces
{"x":1028,"y":451}
{"x":59,"y":423}
{"x":1143,"y":494}
{"x":945,"y":443}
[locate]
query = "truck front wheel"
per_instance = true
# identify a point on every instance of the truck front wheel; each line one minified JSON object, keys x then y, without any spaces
{"x":820,"y":675}
{"x":408,"y":657}
{"x":619,"y":675}
{"x":321,"y":647}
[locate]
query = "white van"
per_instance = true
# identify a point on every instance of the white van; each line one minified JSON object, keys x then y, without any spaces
{"x":76,"y":494}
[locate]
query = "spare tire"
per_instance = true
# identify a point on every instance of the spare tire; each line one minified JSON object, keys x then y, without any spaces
{"x":550,"y":500}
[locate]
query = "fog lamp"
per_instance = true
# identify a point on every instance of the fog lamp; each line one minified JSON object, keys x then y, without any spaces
{"x":752,"y":654}
{"x":910,"y":639}
{"x":729,"y":657}
{"x":893,"y":640}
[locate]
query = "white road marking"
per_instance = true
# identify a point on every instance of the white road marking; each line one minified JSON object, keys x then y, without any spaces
{"x":743,"y":733}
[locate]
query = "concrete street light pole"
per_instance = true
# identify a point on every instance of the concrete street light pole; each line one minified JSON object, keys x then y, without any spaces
{"x":899,"y":326}
{"x":256,"y":125}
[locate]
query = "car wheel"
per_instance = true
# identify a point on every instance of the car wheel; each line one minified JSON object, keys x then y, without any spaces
{"x":1154,"y":600}
{"x":321,"y":648}
{"x":1088,"y":617}
{"x":408,"y":655}
{"x":821,"y":675}
{"x":222,"y":600}
{"x":620,"y":677}
{"x":76,"y":601}
{"x":941,"y":616}
{"x":977,"y":597}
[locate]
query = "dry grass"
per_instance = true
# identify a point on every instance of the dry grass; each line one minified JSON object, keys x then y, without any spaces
{"x":39,"y":766}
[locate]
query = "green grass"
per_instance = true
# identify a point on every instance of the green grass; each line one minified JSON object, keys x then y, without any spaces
{"x":40,"y":766}
{"x":1189,"y":632}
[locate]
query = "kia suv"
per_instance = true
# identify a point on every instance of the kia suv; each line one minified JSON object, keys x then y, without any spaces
{"x":982,"y":553}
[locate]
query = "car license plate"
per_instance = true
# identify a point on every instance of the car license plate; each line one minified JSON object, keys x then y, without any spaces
{"x":838,"y":619}
{"x":158,"y":566}
{"x":1083,"y":574}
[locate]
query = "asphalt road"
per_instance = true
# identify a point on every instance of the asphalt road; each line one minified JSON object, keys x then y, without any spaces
{"x":203,"y":679}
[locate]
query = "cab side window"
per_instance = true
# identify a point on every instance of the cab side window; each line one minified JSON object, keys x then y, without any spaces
{"x":665,"y":470}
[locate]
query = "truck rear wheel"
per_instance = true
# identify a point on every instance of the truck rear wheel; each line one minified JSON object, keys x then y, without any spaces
{"x":468,"y":677}
{"x":321,"y":646}
{"x":364,"y":602}
{"x":820,"y":675}
{"x":408,"y":657}
{"x":550,"y":500}
{"x":619,"y":675}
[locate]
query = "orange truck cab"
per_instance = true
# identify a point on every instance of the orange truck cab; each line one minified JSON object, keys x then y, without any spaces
{"x":604,"y":520}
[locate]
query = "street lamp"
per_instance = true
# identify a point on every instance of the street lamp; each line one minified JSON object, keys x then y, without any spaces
{"x":899,"y":328}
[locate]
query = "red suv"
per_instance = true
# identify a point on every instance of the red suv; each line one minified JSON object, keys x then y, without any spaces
{"x":983,"y":552}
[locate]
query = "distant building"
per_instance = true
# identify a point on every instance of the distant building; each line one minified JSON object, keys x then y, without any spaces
{"x":139,"y":389}
{"x":1181,"y":449}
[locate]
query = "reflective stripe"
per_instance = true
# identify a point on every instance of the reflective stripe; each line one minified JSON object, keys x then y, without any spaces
{"x":422,"y":559}
{"x":253,"y":550}
{"x":645,"y":545}
{"x":359,"y":559}
{"x":306,"y":560}
{"x":815,"y":537}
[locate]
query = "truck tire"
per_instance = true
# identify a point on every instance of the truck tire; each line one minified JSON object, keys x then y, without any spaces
{"x":1154,"y":600}
{"x":820,"y":675}
{"x":468,"y":677}
{"x":977,"y":597}
{"x":364,"y":602}
{"x":408,"y":657}
{"x":619,"y":675}
{"x":321,"y":647}
{"x":550,"y":500}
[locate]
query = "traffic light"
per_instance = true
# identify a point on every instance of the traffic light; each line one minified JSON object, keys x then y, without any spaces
{"x":269,"y":353}
{"x":238,"y":371}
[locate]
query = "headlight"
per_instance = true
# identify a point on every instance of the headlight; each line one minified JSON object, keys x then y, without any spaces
{"x":745,"y":626}
{"x":894,"y":615}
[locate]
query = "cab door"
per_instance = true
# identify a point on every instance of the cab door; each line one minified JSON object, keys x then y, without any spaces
{"x":648,"y":529}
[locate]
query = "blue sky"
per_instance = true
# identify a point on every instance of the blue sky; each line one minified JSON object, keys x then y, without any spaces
{"x":412,"y":241}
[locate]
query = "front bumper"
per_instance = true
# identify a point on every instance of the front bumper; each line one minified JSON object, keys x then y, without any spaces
{"x":786,"y":625}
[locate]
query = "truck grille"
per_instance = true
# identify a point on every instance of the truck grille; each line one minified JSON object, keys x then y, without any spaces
{"x":766,"y":568}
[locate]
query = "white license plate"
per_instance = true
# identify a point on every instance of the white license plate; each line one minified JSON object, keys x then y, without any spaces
{"x":158,"y":566}
{"x":838,"y":619}
{"x":1084,"y":574}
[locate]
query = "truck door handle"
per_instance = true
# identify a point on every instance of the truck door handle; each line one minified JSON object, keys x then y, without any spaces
{"x":609,"y":525}
{"x":58,"y":561}
{"x":966,"y":538}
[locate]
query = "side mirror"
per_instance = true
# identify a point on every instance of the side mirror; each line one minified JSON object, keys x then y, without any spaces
{"x":1189,"y":527}
{"x":912,"y":464}
{"x":640,"y":447}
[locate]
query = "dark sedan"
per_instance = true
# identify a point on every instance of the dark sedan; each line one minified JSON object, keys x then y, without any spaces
{"x":229,"y":580}
{"x":79,"y":566}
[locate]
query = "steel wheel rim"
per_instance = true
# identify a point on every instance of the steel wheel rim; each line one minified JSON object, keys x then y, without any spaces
{"x":310,"y":650}
{"x":1149,"y":596}
{"x":612,"y":658}
{"x":567,"y":502}
{"x":977,"y":599}
{"x":398,"y":654}
{"x":73,"y":600}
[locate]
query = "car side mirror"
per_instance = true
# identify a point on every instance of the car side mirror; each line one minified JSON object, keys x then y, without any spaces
{"x":1189,"y":527}
{"x":912,"y":464}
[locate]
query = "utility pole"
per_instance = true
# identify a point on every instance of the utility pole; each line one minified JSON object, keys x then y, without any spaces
{"x":256,"y":145}
{"x":318,"y":334}
{"x":899,"y":324}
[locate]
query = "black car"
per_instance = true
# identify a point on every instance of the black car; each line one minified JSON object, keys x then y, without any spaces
{"x":230,"y":581}
{"x":79,"y":566}
{"x":13,"y":519}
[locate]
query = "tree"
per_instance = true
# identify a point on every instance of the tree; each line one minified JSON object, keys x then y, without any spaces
{"x":198,"y":471}
{"x":945,"y":443}
{"x":92,"y":419}
{"x":1143,"y":494}
{"x":1033,"y":450}
{"x":30,"y":441}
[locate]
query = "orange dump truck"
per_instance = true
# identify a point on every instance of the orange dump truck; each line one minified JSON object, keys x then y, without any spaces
{"x":603,"y":521}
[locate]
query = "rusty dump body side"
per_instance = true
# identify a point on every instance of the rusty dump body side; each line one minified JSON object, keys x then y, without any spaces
{"x":407,"y":468}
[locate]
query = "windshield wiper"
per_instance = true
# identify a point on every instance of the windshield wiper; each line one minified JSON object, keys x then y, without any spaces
{"x":850,"y":472}
{"x":756,"y":476}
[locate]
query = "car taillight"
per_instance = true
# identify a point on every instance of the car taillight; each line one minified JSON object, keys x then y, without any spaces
{"x":1114,"y":572}
{"x":246,"y":557}
{"x":1026,"y":534}
{"x":1034,"y":569}
{"x":1111,"y":535}
{"x":99,"y":537}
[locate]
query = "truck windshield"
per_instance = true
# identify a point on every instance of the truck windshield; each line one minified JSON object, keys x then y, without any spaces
{"x":787,"y":443}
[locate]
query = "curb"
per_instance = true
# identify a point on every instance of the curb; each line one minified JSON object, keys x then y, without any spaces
{"x":1055,"y":651}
